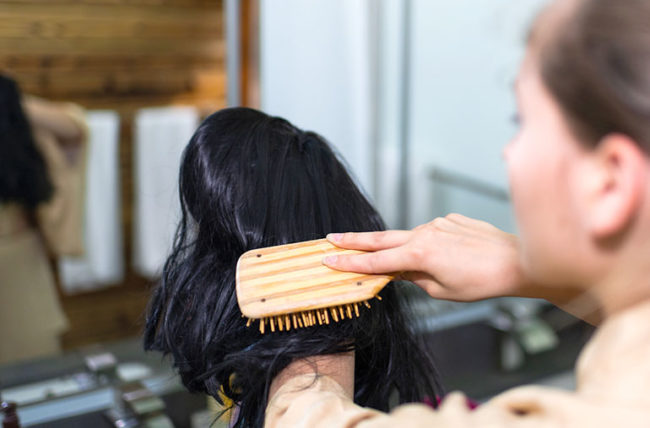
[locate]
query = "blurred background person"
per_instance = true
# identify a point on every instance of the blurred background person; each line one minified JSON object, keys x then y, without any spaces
{"x":42,"y":162}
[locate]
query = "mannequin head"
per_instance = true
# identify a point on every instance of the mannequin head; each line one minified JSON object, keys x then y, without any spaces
{"x":249,"y":180}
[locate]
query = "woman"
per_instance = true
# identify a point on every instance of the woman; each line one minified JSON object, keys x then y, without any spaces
{"x":247,"y":181}
{"x":579,"y":170}
{"x":42,"y":161}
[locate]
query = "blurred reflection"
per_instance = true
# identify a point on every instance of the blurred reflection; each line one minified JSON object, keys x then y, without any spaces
{"x":115,"y":59}
{"x":42,"y":155}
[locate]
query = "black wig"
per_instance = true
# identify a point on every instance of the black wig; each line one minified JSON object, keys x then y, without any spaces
{"x":249,"y":180}
{"x":23,"y":173}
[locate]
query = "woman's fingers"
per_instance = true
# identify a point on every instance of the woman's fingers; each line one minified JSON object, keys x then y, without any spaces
{"x":384,"y":261}
{"x":370,"y":241}
{"x":452,"y":257}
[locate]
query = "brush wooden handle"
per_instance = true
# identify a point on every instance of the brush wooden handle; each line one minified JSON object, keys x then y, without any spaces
{"x":291,"y":278}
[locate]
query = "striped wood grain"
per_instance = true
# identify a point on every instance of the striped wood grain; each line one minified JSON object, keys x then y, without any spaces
{"x":291,"y":278}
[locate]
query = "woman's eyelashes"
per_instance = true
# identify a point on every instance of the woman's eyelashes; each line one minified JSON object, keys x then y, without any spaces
{"x":516,"y":119}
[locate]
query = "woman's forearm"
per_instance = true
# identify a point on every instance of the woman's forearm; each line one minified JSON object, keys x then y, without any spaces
{"x":576,"y":302}
{"x":51,"y":117}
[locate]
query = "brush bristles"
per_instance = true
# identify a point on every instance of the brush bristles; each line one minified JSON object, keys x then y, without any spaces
{"x":310,"y":318}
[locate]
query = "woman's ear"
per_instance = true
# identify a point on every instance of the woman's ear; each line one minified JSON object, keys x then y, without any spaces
{"x":616,"y":184}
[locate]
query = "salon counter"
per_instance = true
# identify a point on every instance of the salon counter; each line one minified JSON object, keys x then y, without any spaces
{"x":101,"y":386}
{"x":481,"y":359}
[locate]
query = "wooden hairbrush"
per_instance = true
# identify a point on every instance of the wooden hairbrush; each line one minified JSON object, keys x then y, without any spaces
{"x":287,"y":286}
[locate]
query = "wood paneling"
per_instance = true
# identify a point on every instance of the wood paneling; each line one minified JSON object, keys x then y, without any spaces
{"x":121,"y":55}
{"x":107,"y":53}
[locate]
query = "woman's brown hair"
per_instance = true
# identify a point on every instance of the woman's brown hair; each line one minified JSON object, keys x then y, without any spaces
{"x":597,"y":66}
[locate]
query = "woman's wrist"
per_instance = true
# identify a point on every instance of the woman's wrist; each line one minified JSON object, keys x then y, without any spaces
{"x":574,"y":301}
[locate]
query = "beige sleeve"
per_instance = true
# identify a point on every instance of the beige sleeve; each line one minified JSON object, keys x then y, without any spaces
{"x":61,"y":218}
{"x":305,"y":402}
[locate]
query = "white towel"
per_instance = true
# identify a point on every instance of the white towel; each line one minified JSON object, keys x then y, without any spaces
{"x":103,"y":262}
{"x":161,"y":134}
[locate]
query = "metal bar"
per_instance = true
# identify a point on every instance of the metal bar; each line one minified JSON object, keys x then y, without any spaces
{"x":405,"y":132}
{"x":465,"y":182}
{"x":469,"y":314}
{"x":233,"y":52}
{"x":376,"y":78}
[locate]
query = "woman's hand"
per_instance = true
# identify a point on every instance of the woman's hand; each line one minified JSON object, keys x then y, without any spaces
{"x":452,"y":258}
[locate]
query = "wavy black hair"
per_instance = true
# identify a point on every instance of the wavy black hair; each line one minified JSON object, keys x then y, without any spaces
{"x":23,"y":172}
{"x":249,"y":180}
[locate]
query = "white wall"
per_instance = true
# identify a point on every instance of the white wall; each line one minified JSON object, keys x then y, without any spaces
{"x":314,"y":71}
{"x":465,"y":56}
{"x":317,"y":70}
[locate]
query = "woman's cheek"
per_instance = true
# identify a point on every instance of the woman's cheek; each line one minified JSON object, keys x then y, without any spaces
{"x":525,"y":188}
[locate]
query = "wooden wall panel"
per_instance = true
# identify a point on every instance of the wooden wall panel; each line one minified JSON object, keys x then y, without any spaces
{"x":121,"y":55}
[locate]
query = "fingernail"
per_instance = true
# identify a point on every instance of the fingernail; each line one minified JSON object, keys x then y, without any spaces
{"x":330,"y":260}
{"x":335,"y":237}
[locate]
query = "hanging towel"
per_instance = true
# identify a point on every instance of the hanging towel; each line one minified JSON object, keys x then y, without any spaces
{"x":161,"y":134}
{"x":103,"y":262}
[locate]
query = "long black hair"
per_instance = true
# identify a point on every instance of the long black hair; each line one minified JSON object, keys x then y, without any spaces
{"x":249,"y":180}
{"x":23,"y":173}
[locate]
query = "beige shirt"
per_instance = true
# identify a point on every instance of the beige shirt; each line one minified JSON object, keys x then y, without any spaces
{"x":613,"y":390}
{"x":31,"y":318}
